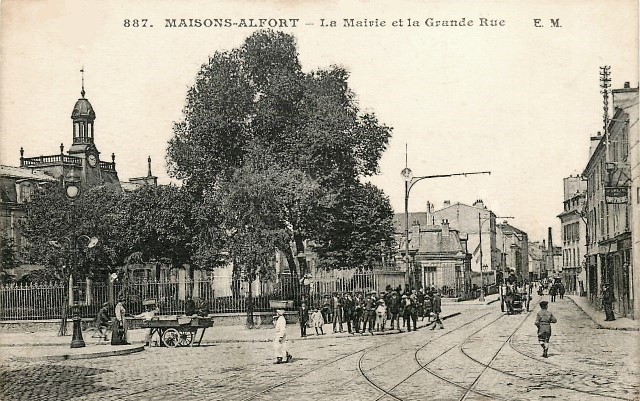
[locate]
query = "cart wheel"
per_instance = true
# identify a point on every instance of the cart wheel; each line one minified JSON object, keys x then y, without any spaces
{"x":170,"y":337}
{"x":186,"y":337}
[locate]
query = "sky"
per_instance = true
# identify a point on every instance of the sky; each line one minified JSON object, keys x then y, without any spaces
{"x":514,"y":99}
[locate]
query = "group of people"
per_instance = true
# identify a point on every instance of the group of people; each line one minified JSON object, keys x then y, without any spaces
{"x":118,"y":325}
{"x":363,"y":312}
{"x":556,"y":289}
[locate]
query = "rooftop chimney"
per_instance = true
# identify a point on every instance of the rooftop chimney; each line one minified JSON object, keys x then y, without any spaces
{"x":593,"y":144}
{"x":447,"y":203}
{"x":627,"y":85}
{"x":445,"y":228}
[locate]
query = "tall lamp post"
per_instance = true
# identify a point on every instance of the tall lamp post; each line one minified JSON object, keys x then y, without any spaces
{"x":409,"y":182}
{"x":72,"y":189}
{"x":481,"y":221}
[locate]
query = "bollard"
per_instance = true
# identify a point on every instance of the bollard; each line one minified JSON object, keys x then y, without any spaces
{"x":77,"y":341}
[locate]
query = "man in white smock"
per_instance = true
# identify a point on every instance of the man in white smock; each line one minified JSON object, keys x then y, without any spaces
{"x":280,"y":339}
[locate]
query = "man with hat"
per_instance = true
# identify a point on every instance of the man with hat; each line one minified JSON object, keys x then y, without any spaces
{"x":543,"y":322}
{"x":280,"y":339}
{"x":436,"y":305}
{"x":407,"y":311}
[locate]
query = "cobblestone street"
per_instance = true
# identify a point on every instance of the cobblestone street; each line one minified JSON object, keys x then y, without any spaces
{"x":480,"y":354}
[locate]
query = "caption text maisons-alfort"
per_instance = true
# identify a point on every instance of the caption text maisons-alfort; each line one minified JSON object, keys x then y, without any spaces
{"x":325,"y":22}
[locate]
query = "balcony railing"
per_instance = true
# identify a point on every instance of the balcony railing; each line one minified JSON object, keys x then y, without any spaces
{"x":61,"y":159}
{"x":54,"y":159}
{"x":107,"y":166}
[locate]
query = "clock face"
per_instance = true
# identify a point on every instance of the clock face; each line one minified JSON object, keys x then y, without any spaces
{"x":93,"y":160}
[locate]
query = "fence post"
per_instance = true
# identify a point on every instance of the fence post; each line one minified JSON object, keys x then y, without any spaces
{"x":71,"y":290}
{"x":110,"y":292}
{"x":88,"y":292}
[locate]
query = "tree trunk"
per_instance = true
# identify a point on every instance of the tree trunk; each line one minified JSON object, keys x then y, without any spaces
{"x":235,"y":280}
{"x":62,"y":331}
{"x":250,"y":323}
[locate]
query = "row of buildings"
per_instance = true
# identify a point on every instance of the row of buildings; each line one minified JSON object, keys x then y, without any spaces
{"x":601,"y":215}
{"x":462,"y":247}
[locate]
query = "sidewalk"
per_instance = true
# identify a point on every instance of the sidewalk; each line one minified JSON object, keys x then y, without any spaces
{"x":50,"y":346}
{"x":621,"y":323}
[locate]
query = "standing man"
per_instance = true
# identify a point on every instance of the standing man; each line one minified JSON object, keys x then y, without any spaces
{"x":415,"y":306}
{"x":357,"y":312}
{"x":436,"y":304}
{"x":607,"y":302}
{"x":368,"y":316}
{"x":303,"y":318}
{"x":150,"y":312}
{"x":336,"y":305}
{"x":543,"y":322}
{"x":407,"y":312}
{"x":394,"y":310}
{"x":348,"y":306}
{"x":280,"y":339}
{"x":553,"y":291}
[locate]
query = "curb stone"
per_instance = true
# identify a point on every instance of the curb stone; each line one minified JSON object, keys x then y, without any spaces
{"x":66,"y":357}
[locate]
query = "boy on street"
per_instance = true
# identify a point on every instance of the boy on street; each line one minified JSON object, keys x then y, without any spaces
{"x":543,"y":322}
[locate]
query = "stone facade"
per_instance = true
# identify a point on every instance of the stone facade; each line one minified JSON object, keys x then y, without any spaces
{"x":610,"y":206}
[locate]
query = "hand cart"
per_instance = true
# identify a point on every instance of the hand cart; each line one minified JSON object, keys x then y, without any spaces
{"x":178,"y":331}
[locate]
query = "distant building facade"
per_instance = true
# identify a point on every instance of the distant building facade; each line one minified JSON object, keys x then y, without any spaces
{"x":537,"y":260}
{"x":515,"y":251}
{"x":438,"y":256}
{"x":574,"y":231}
{"x":611,"y":206}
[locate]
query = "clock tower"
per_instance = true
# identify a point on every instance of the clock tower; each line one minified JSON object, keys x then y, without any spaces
{"x":82,"y":156}
{"x":83,"y":145}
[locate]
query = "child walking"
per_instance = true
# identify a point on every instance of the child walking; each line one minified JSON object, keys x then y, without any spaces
{"x":543,"y":322}
{"x":317,"y":320}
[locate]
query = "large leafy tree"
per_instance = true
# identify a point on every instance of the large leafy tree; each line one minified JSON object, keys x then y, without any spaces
{"x":255,"y":202}
{"x":359,"y":230}
{"x":156,"y":224}
{"x":255,"y":103}
{"x":52,"y":222}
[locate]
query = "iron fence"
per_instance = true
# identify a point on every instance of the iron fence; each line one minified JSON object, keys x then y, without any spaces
{"x":215,"y":294}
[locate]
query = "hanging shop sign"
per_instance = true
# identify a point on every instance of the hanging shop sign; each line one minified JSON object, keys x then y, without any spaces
{"x":616,"y":195}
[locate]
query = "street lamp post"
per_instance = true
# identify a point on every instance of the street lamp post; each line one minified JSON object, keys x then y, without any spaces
{"x":409,"y":182}
{"x":72,"y":189}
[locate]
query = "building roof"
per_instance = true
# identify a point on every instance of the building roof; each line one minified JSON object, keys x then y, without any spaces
{"x":432,"y":241}
{"x":24,"y":173}
{"x":507,"y":228}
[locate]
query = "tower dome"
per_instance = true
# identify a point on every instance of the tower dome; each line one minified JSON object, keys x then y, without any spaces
{"x":83,"y":109}
{"x":83,"y":117}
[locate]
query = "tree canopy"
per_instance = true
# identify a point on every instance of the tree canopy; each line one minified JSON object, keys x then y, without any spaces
{"x":255,"y":119}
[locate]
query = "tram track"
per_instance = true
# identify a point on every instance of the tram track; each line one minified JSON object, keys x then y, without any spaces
{"x":360,"y":370}
{"x":487,"y":366}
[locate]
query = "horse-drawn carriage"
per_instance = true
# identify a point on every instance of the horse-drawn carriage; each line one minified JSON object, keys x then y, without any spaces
{"x":175,"y":331}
